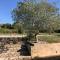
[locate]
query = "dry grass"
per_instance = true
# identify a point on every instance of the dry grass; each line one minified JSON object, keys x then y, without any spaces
{"x":53,"y":38}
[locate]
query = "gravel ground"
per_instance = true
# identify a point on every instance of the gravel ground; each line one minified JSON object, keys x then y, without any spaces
{"x":40,"y":50}
{"x":12,"y":53}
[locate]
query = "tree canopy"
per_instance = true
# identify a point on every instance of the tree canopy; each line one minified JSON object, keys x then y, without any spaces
{"x":36,"y":17}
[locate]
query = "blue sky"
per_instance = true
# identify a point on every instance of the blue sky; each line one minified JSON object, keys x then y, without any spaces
{"x":6,"y":7}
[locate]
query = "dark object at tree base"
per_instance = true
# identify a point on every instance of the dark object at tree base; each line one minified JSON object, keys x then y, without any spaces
{"x":24,"y":51}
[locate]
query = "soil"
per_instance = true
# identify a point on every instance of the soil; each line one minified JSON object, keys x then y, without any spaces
{"x":45,"y":50}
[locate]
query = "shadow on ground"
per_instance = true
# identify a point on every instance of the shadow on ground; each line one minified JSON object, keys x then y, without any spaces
{"x":48,"y":58}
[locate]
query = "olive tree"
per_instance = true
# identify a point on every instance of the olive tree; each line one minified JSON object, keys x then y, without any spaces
{"x":35,"y":17}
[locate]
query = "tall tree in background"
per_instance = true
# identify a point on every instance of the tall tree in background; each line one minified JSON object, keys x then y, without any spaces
{"x":35,"y":17}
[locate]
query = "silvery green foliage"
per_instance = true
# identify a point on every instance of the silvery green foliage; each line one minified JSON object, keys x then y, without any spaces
{"x":36,"y":16}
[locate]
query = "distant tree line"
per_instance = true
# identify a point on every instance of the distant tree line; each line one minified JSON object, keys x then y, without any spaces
{"x":7,"y":25}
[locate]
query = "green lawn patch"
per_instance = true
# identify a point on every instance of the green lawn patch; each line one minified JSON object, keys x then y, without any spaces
{"x":54,"y":38}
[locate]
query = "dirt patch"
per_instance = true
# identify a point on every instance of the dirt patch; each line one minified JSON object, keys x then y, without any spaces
{"x":45,"y":50}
